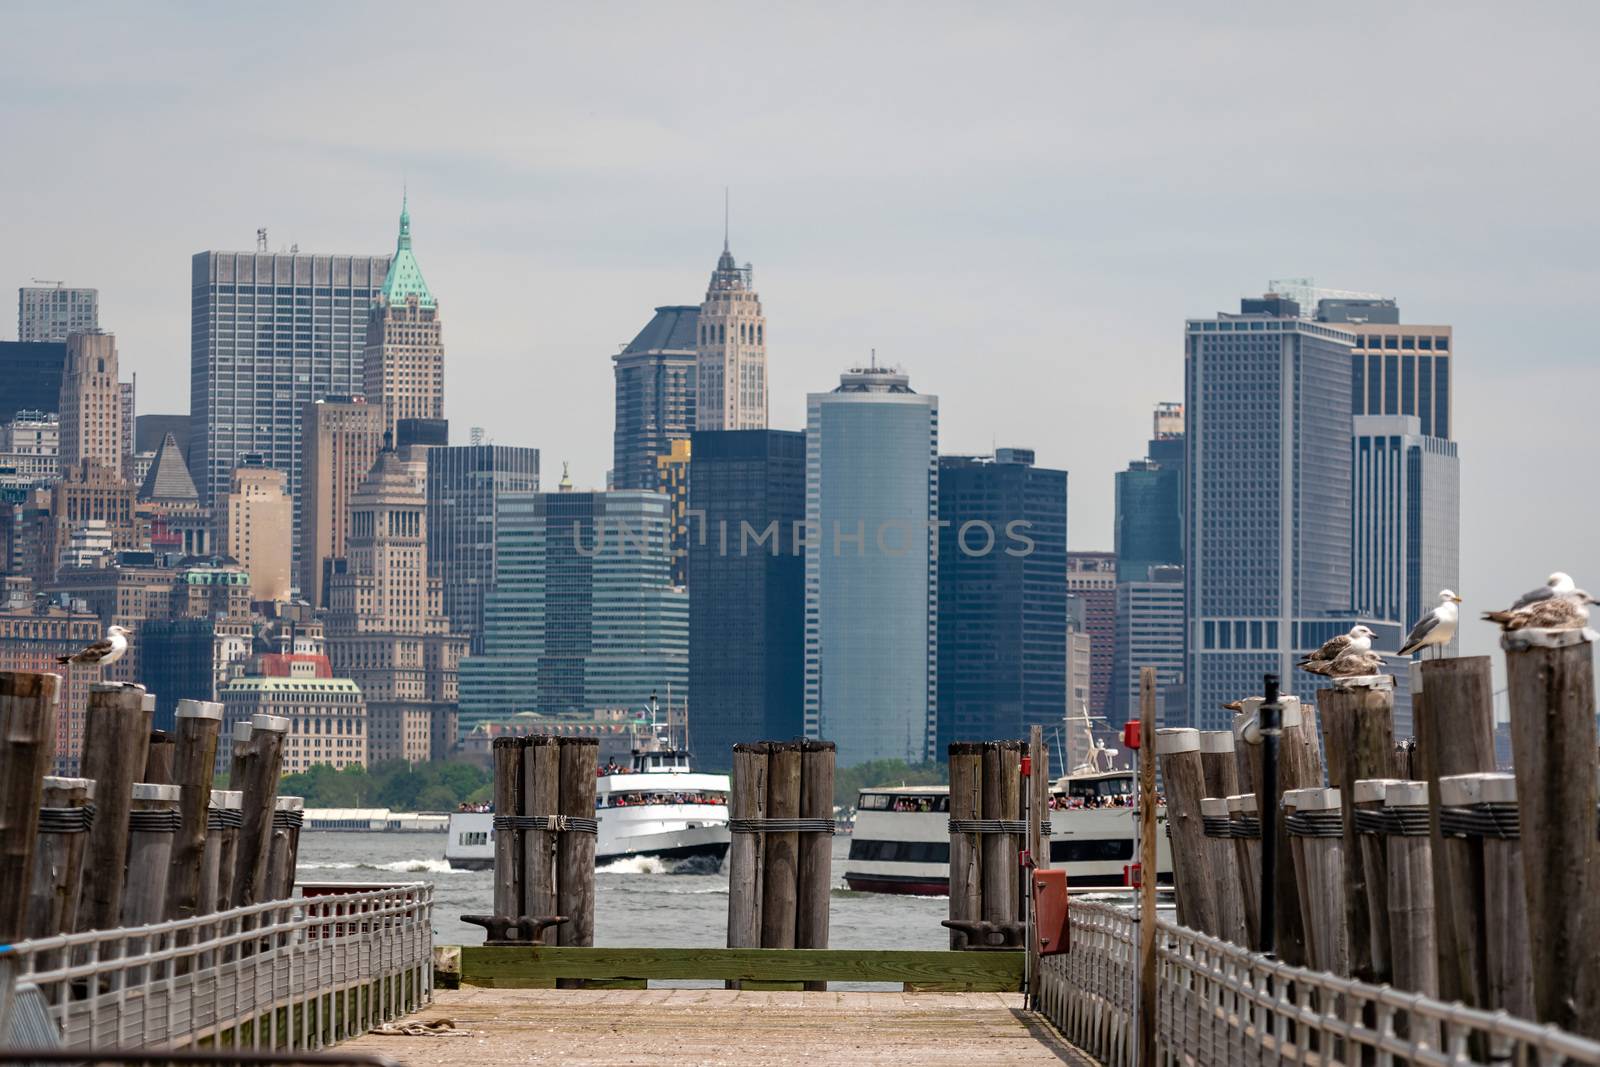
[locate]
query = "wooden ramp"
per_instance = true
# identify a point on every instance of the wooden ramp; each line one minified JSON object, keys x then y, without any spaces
{"x":627,"y":1027}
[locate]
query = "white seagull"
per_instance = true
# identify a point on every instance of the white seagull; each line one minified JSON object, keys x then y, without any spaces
{"x":1558,"y":583}
{"x":1359,"y":639}
{"x":1563,"y":611}
{"x":1435,"y":628}
{"x":105,"y":651}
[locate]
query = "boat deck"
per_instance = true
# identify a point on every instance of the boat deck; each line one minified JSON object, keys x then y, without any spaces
{"x":629,"y":1027}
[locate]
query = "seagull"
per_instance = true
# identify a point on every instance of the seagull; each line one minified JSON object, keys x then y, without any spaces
{"x":1558,"y":583}
{"x":1233,"y":705}
{"x":1359,"y":639}
{"x":107,"y":650}
{"x":1435,"y":628}
{"x":1354,"y":663}
{"x":1561,"y":611}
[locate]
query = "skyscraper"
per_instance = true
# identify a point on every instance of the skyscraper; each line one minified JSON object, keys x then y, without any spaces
{"x":1092,"y":576}
{"x":732,"y":340}
{"x":91,"y":403}
{"x":672,"y":480}
{"x":270,"y":333}
{"x":256,"y":519}
{"x":872,"y":495}
{"x":30,"y":376}
{"x":1402,"y":370}
{"x":343,"y":436}
{"x":584,"y":614}
{"x":747,"y":489}
{"x":1149,"y":501}
{"x":1002,"y":596}
{"x":1149,"y":633}
{"x":465,"y":483}
{"x":655,"y":395}
{"x":52,"y":313}
{"x":403,"y":369}
{"x":1268,"y":504}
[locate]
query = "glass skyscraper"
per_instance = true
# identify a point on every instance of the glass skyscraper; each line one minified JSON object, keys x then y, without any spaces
{"x":655,"y":395}
{"x":584,"y":615}
{"x":1002,"y":600}
{"x":872,"y":487}
{"x":464,"y":484}
{"x":270,"y":333}
{"x":1269,"y":503}
{"x":747,"y":490}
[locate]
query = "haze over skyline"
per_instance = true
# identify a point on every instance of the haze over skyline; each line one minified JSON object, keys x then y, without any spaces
{"x":1019,"y":208}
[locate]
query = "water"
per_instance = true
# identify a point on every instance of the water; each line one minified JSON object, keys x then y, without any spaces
{"x":637,"y":901}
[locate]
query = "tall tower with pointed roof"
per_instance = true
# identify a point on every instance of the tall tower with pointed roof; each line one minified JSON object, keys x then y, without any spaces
{"x":731,"y":349}
{"x":404,"y":364}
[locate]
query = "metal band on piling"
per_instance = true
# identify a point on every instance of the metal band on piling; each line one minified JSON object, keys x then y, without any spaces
{"x":66,"y":820}
{"x":1479,"y":805}
{"x":287,"y":820}
{"x":1326,"y":819}
{"x":784,"y":826}
{"x":559,"y":824}
{"x":224,"y":818}
{"x":1214,"y":817}
{"x":153,"y":821}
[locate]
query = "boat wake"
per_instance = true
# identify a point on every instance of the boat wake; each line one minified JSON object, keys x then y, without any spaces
{"x":417,"y":866}
{"x":657,"y":865}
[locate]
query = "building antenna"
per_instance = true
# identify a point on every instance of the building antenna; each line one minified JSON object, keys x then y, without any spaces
{"x":725,"y":216}
{"x":874,"y":359}
{"x":261,"y":239}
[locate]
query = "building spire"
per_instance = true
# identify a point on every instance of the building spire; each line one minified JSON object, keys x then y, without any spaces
{"x":725,"y":216}
{"x":405,"y":219}
{"x":405,"y":277}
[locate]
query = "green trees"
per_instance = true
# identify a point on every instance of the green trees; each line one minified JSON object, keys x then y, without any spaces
{"x":398,"y":785}
{"x":848,"y":781}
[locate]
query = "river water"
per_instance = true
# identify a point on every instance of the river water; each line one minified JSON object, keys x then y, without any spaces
{"x":637,"y":901}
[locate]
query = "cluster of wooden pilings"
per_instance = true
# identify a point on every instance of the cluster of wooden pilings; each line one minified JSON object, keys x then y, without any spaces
{"x":141,"y":837}
{"x":780,"y":864}
{"x":988,"y":834}
{"x":1415,"y":864}
{"x":544,"y":838}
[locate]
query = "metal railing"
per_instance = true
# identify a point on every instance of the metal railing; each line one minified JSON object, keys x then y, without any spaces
{"x":1219,"y":1003}
{"x":296,"y":974}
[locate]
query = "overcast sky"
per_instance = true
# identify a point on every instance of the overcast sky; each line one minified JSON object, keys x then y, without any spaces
{"x":1020,"y":208}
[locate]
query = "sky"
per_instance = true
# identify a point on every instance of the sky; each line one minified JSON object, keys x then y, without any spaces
{"x":1018,"y":204}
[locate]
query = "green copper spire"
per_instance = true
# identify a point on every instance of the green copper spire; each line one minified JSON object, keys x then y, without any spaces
{"x":405,"y":277}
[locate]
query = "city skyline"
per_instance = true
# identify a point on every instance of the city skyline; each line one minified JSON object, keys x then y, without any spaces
{"x":1045,"y":259}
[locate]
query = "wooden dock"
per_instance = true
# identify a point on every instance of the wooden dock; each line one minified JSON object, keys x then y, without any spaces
{"x":629,"y":1027}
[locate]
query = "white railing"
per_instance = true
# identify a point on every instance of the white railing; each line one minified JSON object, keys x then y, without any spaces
{"x":292,"y":974}
{"x":1218,"y":1003}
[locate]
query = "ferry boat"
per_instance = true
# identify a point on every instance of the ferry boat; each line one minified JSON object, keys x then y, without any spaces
{"x":901,"y":840}
{"x":658,"y":807}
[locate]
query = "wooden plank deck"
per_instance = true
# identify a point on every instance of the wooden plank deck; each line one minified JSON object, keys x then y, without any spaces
{"x":651,"y":1027}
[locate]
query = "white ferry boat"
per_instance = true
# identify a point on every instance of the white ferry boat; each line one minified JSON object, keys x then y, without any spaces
{"x":658,"y":807}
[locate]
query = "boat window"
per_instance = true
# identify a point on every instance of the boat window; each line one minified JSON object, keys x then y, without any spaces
{"x":874,"y":802}
{"x":474,"y":837}
{"x":901,"y":851}
{"x":1091,"y":850}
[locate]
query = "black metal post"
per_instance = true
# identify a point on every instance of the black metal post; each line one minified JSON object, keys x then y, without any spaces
{"x":1271,"y":729}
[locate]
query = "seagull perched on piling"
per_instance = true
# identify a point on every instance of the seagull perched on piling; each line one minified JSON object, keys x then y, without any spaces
{"x":1436,"y":628}
{"x":1567,"y":610}
{"x":103,"y":652}
{"x":1359,"y":639}
{"x":1558,"y":583}
{"x":1354,"y":663}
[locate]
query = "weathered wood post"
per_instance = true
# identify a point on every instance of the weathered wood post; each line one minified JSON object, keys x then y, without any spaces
{"x":1550,"y":677}
{"x":64,"y":821}
{"x":1478,"y":816}
{"x":224,"y":816}
{"x":1002,"y":802}
{"x":540,"y":796}
{"x":1220,"y":765}
{"x":747,"y":805}
{"x":1454,"y":721}
{"x":1358,"y":725}
{"x":1370,"y":823}
{"x":28,"y":704}
{"x":1244,"y":826}
{"x":159,"y":757}
{"x":778,"y":880}
{"x":815,"y":872}
{"x":1178,"y":750}
{"x":966,"y":854}
{"x":1413,"y":951}
{"x":1318,"y":826}
{"x":115,"y":733}
{"x":288,"y":814}
{"x":575,"y":848}
{"x":508,"y":864}
{"x":197,"y":724}
{"x":152,"y":821}
{"x":238,"y":746}
{"x":260,"y":765}
{"x":1037,"y":844}
{"x":1145,"y":983}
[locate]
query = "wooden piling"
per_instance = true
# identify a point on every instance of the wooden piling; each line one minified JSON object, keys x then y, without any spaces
{"x":1002,"y":800}
{"x":283,"y":854}
{"x":966,"y":855}
{"x":541,"y":795}
{"x":28,"y":707}
{"x":1454,"y":722}
{"x":508,"y":863}
{"x":238,"y":746}
{"x":815,"y":871}
{"x":224,"y":815}
{"x":1553,"y":750}
{"x":1178,"y":751}
{"x":779,"y":885}
{"x":1367,"y":818}
{"x":196,"y":726}
{"x":1221,"y":861}
{"x":63,"y":822}
{"x":1037,"y":799}
{"x":1480,"y":821}
{"x":260,"y":766}
{"x":1245,"y":829}
{"x":1358,"y":728}
{"x":1317,"y":825}
{"x":1145,"y":984}
{"x":116,"y":731}
{"x":575,"y":849}
{"x":152,"y":820}
{"x":160,"y":752}
{"x":1414,"y":956}
{"x":748,"y":800}
{"x":1218,"y":763}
